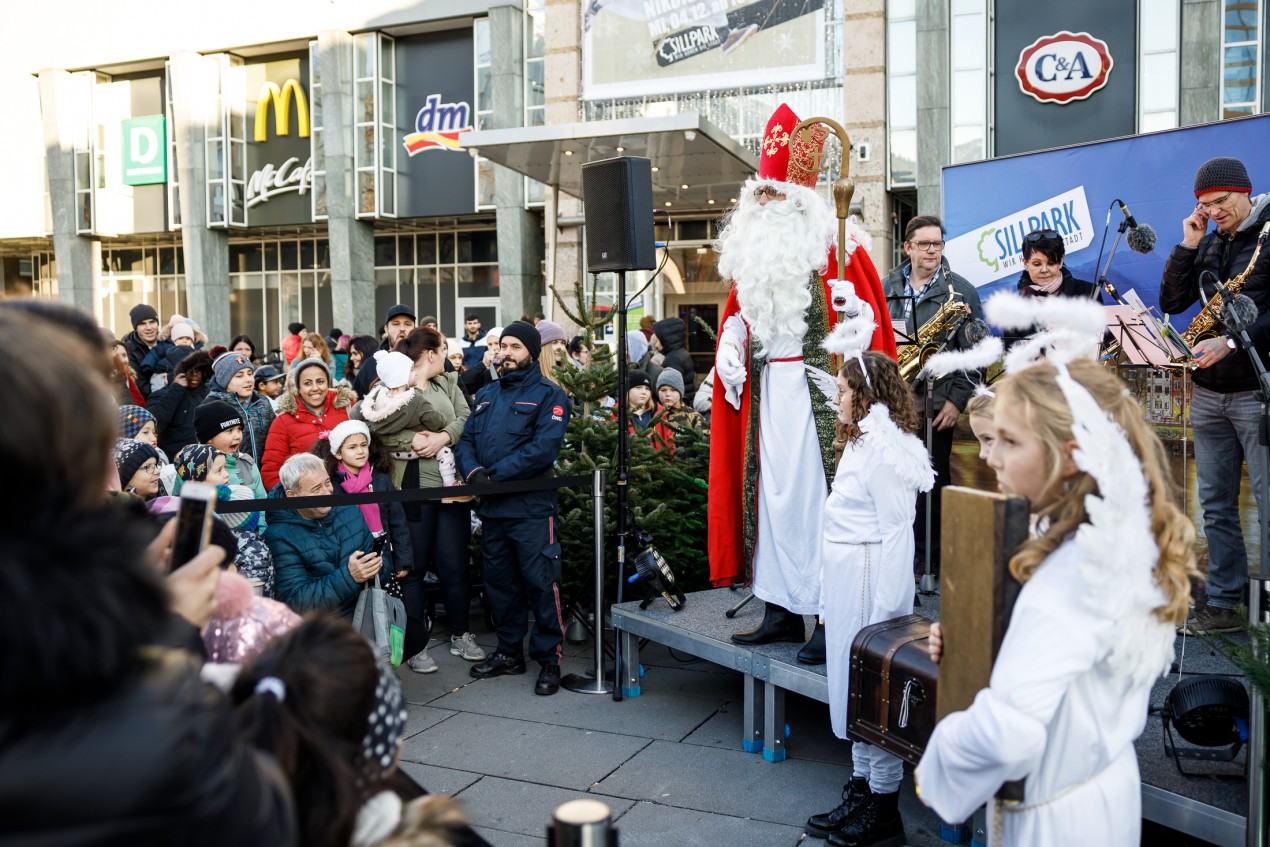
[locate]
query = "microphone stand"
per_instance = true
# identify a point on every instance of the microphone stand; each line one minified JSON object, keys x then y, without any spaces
{"x":1256,"y":710}
{"x":927,"y":584}
{"x":1102,"y":277}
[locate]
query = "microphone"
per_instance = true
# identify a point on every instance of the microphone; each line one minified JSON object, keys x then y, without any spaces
{"x":1141,"y":239}
{"x":1238,"y":312}
{"x":1128,"y":217}
{"x":971,"y":332}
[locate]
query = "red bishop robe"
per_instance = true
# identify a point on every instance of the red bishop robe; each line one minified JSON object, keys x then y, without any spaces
{"x":728,"y":435}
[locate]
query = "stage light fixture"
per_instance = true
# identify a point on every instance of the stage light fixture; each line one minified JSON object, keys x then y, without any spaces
{"x":1210,"y":712}
{"x":655,"y":574}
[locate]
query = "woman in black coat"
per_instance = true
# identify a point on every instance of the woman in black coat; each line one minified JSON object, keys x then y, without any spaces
{"x":105,"y":736}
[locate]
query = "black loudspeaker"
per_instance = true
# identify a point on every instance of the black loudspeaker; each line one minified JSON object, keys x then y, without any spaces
{"x":618,"y":194}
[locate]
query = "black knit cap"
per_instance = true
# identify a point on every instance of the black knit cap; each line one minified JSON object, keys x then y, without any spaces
{"x":635,"y":378}
{"x":141,"y":312}
{"x":214,"y":417}
{"x":1222,"y":174}
{"x":527,"y":334}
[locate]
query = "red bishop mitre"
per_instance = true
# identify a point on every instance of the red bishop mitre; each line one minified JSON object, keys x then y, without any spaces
{"x":789,"y":159}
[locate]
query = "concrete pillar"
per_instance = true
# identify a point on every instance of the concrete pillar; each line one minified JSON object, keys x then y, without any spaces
{"x":1201,"y":38}
{"x":78,"y":257}
{"x":206,"y":250}
{"x":352,"y":241}
{"x":520,"y":239}
{"x":933,"y":128}
{"x":563,"y":77}
{"x":864,"y":92}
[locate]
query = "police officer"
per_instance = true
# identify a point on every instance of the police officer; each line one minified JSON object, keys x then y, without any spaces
{"x":514,"y":432}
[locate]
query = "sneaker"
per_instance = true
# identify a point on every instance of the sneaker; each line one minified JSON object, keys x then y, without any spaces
{"x":1212,"y":619}
{"x":421,"y":662}
{"x":465,"y":645}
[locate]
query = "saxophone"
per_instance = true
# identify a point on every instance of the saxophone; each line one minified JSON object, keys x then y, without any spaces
{"x":1204,"y":325}
{"x":912,"y":357}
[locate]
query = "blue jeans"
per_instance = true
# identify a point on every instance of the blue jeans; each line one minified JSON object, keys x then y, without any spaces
{"x":1226,"y":428}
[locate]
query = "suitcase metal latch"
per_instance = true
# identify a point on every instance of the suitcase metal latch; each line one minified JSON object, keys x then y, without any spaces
{"x":914,"y":694}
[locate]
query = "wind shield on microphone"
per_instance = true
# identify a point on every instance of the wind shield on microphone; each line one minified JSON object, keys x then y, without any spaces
{"x":1238,"y":312}
{"x":1141,"y":239}
{"x":971,"y":332}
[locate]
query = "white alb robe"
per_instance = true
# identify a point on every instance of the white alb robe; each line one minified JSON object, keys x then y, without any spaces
{"x":867,"y":542}
{"x":791,"y":485}
{"x":1055,"y":713}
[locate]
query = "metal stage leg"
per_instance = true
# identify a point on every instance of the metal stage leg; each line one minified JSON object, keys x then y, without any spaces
{"x":595,"y":683}
{"x":752,"y":742}
{"x":629,"y":670}
{"x":774,"y":722}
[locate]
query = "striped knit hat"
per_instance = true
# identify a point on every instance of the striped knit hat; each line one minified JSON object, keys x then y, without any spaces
{"x":131,"y":419}
{"x":1222,"y":174}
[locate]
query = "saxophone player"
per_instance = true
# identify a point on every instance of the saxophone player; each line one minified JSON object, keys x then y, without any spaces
{"x":1225,"y":410}
{"x":914,"y":292}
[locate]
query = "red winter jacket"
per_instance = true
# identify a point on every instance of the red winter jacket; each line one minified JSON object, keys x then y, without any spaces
{"x":295,"y":429}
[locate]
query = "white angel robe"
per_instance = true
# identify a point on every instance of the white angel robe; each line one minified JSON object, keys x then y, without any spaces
{"x":1056,"y":713}
{"x":867,"y":545}
{"x":791,"y":484}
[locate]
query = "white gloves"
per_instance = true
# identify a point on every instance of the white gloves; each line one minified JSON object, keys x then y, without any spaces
{"x":729,"y":361}
{"x":446,"y":465}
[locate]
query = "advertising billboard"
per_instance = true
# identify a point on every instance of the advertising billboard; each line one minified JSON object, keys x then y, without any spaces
{"x":279,"y":161}
{"x":632,"y":48}
{"x":989,"y":206}
{"x":435,"y":103}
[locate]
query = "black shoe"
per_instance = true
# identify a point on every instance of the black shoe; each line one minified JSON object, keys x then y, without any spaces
{"x":498,"y":664}
{"x":853,"y":795}
{"x":548,"y":680}
{"x":878,"y":824}
{"x":813,"y":652}
{"x":779,"y":624}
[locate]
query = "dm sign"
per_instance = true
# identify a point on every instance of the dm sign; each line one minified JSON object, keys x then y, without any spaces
{"x":1063,"y":67}
{"x":145,"y":150}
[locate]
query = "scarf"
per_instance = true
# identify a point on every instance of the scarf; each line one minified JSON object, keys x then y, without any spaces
{"x":356,"y":483}
{"x":1049,"y":288}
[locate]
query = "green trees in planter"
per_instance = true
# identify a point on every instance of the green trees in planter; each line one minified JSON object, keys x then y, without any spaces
{"x":666,"y":494}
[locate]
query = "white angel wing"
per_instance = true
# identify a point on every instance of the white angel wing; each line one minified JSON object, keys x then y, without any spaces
{"x":828,"y":385}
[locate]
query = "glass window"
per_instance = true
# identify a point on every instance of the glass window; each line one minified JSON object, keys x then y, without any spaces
{"x":901,"y":81}
{"x":425,"y":282}
{"x":427,"y":242}
{"x":247,"y":305}
{"x":478,"y":281}
{"x":478,"y":246}
{"x":325,"y":308}
{"x":245,"y":258}
{"x":1241,"y":58}
{"x":290,"y":252}
{"x":385,"y":251}
{"x":385,"y":290}
{"x":306,"y":254}
{"x":901,"y":47}
{"x":1158,"y":74}
{"x":445,"y":242}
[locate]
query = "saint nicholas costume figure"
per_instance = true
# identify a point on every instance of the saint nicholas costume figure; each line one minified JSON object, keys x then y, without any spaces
{"x":771,"y":451}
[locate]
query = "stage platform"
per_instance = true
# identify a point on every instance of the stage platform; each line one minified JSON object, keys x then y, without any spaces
{"x":1208,"y":807}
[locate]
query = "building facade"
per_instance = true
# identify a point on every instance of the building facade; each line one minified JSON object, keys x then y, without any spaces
{"x":275,"y":164}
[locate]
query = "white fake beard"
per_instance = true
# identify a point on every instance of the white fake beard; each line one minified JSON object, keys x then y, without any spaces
{"x":770,"y":251}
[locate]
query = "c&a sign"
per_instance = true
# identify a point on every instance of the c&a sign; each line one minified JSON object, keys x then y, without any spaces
{"x":1064,"y":67}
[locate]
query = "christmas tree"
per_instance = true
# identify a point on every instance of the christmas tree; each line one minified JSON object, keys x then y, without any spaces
{"x":666,"y":493}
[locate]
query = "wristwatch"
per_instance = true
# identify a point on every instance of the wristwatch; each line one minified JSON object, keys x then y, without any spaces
{"x":1231,"y":343}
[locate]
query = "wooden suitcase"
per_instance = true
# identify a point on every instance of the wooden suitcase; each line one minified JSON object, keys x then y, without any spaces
{"x":892,"y":682}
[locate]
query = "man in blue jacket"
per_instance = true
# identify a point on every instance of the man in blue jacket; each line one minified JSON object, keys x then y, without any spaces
{"x":514,"y":432}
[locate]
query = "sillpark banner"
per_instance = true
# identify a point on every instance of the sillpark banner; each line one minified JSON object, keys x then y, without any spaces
{"x":990,"y":206}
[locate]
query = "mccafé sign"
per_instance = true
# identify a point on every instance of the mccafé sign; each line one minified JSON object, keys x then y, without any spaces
{"x":290,"y":175}
{"x":1063,"y":67}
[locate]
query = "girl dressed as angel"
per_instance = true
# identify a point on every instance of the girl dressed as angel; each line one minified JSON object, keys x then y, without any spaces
{"x":1106,"y":579}
{"x":866,"y":569}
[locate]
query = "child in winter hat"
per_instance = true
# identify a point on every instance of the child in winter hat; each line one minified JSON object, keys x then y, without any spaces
{"x":220,"y":425}
{"x":204,"y":463}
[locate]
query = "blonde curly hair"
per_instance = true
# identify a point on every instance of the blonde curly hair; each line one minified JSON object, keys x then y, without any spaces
{"x":1034,"y":394}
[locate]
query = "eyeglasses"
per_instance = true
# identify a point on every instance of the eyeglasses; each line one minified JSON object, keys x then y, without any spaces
{"x":928,"y":246}
{"x":770,"y":191}
{"x":1041,"y":233}
{"x":1213,"y":204}
{"x":149,"y":467}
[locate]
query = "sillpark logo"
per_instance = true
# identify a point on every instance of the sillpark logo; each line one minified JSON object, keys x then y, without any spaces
{"x":995,"y":249}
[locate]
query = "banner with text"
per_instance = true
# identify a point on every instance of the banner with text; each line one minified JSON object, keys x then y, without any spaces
{"x":632,"y":48}
{"x":989,"y":206}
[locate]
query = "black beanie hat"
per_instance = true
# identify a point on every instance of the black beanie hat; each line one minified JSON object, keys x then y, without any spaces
{"x":635,"y":378}
{"x":1222,"y":174}
{"x":141,"y":312}
{"x":527,"y":334}
{"x":214,"y":417}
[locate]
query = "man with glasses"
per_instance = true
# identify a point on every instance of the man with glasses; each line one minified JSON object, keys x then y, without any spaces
{"x":914,"y":293}
{"x":1225,"y":411}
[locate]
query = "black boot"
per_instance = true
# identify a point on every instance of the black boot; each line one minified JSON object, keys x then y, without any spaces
{"x":853,"y":795}
{"x":779,"y":624}
{"x":878,"y":824}
{"x":813,"y":652}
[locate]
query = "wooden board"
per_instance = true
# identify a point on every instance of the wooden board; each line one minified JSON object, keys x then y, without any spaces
{"x":981,"y":530}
